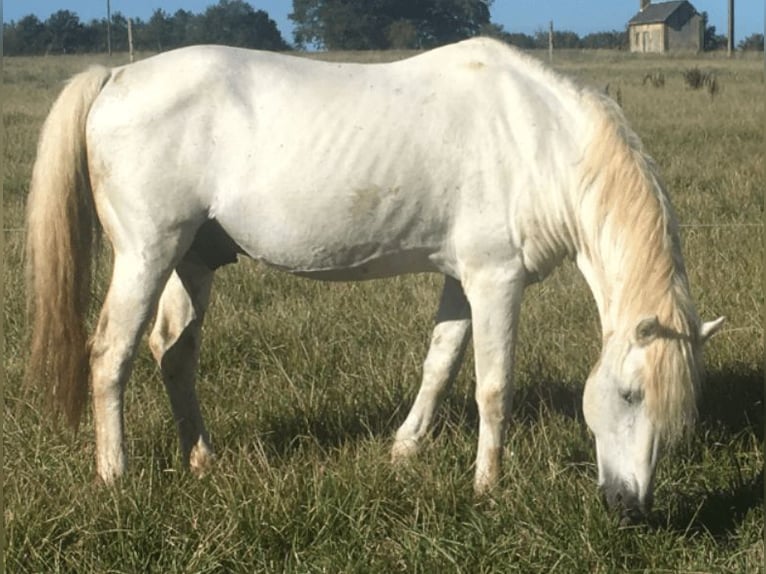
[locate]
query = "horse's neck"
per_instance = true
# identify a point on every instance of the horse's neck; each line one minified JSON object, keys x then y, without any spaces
{"x":626,"y":238}
{"x":631,"y":279}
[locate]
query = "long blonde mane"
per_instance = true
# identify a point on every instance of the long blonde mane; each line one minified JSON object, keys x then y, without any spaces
{"x":634,"y":244}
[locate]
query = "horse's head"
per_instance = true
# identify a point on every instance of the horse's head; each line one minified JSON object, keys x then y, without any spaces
{"x":639,"y":396}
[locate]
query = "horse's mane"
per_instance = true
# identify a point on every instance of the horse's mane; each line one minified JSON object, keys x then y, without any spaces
{"x":633,"y":242}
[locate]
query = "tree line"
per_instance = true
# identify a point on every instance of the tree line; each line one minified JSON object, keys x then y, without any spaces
{"x":322,"y":24}
{"x":232,"y":22}
{"x":409,"y":24}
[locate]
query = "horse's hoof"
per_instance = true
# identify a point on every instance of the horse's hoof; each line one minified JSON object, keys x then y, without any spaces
{"x":404,"y":450}
{"x":201,"y":460}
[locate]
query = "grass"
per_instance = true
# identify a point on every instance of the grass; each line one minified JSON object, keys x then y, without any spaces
{"x":303,"y":384}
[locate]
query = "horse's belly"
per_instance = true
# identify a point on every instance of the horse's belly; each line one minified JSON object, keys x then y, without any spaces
{"x":339,"y":244}
{"x":354,"y":269}
{"x":355,"y":262}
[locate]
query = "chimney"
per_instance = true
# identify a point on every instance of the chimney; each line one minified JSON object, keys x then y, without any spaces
{"x":645,"y":4}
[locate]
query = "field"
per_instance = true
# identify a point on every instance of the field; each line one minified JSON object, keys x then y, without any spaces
{"x":303,"y":384}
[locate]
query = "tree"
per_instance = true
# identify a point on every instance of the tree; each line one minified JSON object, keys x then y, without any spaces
{"x":236,"y":23}
{"x":614,"y":40}
{"x":119,"y":32}
{"x":711,"y":40}
{"x":27,"y":36}
{"x":65,"y":32}
{"x":497,"y":31}
{"x":562,"y":39}
{"x":355,"y":25}
{"x":232,"y":22}
{"x":186,"y":29}
{"x":752,"y":42}
{"x":523,"y":41}
{"x":156,"y":35}
{"x":382,"y":24}
{"x":452,"y":20}
{"x":92,"y":37}
{"x":402,"y":34}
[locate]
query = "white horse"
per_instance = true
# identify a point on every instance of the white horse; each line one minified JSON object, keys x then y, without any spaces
{"x":471,"y":160}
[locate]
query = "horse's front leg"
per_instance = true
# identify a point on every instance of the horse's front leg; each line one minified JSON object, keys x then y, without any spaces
{"x":175,"y":343}
{"x":495,"y":295}
{"x":448,"y":342}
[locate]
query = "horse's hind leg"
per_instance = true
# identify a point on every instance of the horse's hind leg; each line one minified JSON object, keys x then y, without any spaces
{"x":448,"y":343}
{"x":127,"y":309}
{"x":175,"y":342}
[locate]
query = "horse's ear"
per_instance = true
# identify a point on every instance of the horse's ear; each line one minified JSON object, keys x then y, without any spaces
{"x":710,"y":328}
{"x":647,"y":330}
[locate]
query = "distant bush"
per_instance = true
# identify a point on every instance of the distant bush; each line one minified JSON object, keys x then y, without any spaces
{"x":752,"y":42}
{"x":656,"y":79}
{"x":696,"y":79}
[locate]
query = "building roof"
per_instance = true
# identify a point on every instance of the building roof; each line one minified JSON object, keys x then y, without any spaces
{"x":655,"y":13}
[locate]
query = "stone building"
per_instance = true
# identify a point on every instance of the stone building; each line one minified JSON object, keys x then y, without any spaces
{"x":666,"y":27}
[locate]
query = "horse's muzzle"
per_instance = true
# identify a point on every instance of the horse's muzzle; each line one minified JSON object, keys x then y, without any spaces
{"x":618,"y":498}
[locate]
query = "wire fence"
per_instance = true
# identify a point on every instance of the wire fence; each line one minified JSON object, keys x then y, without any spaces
{"x":682,"y":226}
{"x":731,"y":225}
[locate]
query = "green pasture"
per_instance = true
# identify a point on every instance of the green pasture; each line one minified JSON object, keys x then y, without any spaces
{"x":303,"y":384}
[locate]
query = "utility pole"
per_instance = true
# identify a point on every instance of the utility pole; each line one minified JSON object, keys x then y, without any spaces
{"x":109,"y":27}
{"x":730,"y":41}
{"x":550,"y":42}
{"x":130,"y":39}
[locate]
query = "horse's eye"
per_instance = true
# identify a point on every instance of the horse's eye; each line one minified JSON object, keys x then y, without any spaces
{"x":631,"y":397}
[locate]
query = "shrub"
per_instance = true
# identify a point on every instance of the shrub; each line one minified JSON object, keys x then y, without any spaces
{"x":656,"y":79}
{"x":696,"y":78}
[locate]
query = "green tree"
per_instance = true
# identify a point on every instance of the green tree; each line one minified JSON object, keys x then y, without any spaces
{"x":381,"y":24}
{"x":752,"y":42}
{"x":614,"y":40}
{"x":711,"y":40}
{"x":27,"y":36}
{"x":402,"y":34}
{"x":157,"y":34}
{"x":448,"y":21}
{"x":493,"y":30}
{"x":520,"y":40}
{"x":119,"y":32}
{"x":65,"y":32}
{"x":562,"y":39}
{"x":92,"y":36}
{"x":236,"y":23}
{"x":187,"y":28}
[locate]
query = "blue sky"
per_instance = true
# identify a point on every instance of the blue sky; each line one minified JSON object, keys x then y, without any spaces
{"x":527,"y":16}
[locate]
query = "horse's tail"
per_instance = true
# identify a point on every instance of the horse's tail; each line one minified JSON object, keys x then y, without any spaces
{"x":60,"y":233}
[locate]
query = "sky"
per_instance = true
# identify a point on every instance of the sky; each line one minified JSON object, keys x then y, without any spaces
{"x":525,"y":16}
